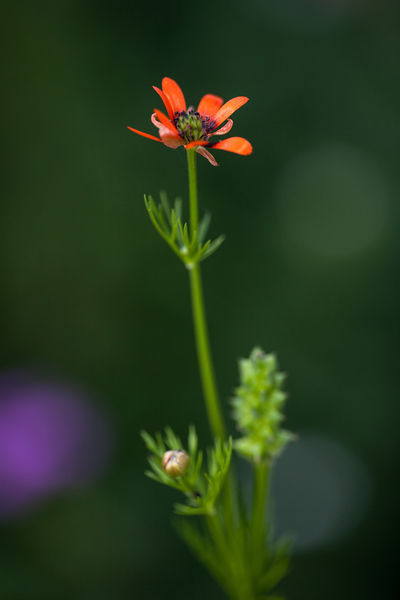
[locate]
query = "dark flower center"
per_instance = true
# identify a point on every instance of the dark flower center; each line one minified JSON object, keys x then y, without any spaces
{"x":192,"y":126}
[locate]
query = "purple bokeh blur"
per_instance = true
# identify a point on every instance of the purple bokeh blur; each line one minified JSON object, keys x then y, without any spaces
{"x":51,"y":438}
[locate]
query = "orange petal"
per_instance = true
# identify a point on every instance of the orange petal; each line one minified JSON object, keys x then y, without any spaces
{"x":155,"y":121}
{"x":170,"y":139}
{"x":196,"y":143}
{"x":209,"y":104}
{"x":207,"y":155}
{"x":224,"y":129}
{"x":166,"y":101}
{"x":165,"y":121}
{"x":234,"y":144}
{"x":228,"y":108}
{"x":151,"y":137}
{"x":174,"y":94}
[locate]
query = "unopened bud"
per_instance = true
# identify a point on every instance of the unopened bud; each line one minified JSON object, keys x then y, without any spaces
{"x":175,"y":463}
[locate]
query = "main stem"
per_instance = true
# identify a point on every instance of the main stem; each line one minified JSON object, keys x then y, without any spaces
{"x":199,"y":317}
{"x":260,"y":492}
{"x":222,"y":531}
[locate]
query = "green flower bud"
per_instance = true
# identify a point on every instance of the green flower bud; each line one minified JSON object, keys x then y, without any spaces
{"x":257,"y":407}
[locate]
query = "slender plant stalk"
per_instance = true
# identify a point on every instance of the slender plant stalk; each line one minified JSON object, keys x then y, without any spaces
{"x":218,"y":537}
{"x":258,"y":530}
{"x":199,"y":317}
{"x":193,"y":198}
{"x":207,"y":373}
{"x":222,"y":530}
{"x":236,"y":584}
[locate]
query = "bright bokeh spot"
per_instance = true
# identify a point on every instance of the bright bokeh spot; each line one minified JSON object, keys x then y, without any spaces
{"x":321,"y":492}
{"x":51,"y":438}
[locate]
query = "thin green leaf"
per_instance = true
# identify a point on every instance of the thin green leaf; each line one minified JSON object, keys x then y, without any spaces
{"x":213,"y":247}
{"x":173,"y":225}
{"x":203,"y":227}
{"x":172,"y":440}
{"x":165,"y":204}
{"x":179,"y":233}
{"x":192,"y":441}
{"x":204,"y":550}
{"x":275,"y":574}
{"x":186,"y":238}
{"x":150,"y":443}
{"x":178,"y":208}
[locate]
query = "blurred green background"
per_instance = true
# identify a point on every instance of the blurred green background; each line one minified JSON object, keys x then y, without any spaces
{"x":92,"y":298}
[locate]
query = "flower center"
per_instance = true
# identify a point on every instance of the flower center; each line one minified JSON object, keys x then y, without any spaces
{"x":192,"y":126}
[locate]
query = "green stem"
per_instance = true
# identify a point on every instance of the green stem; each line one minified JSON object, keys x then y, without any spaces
{"x":193,"y":199}
{"x":257,"y":527}
{"x":235,"y":581}
{"x":220,"y":535}
{"x":200,"y":324}
{"x":204,"y":355}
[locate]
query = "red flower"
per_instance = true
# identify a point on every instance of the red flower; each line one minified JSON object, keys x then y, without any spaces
{"x":193,"y":128}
